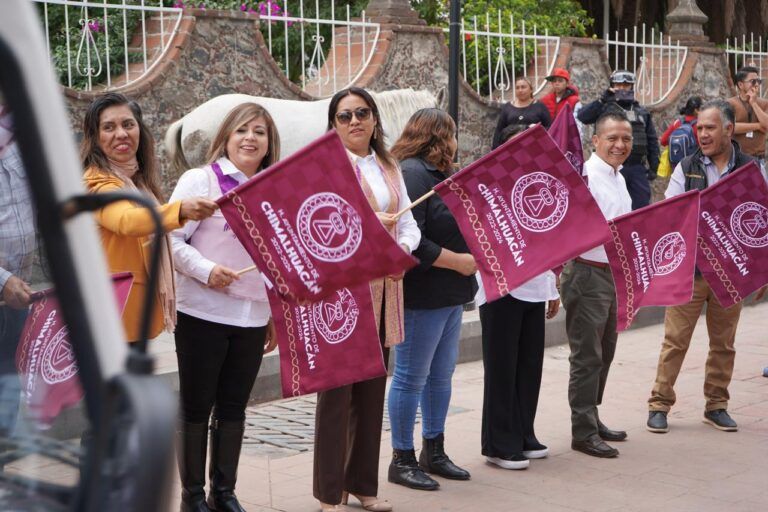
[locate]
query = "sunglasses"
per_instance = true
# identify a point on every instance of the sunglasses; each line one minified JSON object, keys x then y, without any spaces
{"x":756,"y":81}
{"x":345,"y":116}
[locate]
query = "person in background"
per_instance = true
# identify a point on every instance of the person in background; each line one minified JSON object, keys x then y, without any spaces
{"x":562,"y":92}
{"x":522,"y":110}
{"x":751,"y":114}
{"x":640,"y":168}
{"x":224,"y":325}
{"x":589,"y":295}
{"x":18,"y":244}
{"x":348,"y":419}
{"x":513,"y":356}
{"x":118,"y":154}
{"x":689,"y":112}
{"x":717,"y":157}
{"x":435,"y":292}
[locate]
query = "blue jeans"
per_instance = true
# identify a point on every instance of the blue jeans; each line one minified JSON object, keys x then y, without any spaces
{"x":11,"y":323}
{"x":424,"y":364}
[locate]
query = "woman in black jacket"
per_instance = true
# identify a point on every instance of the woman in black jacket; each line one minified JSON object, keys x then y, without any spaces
{"x":434,"y":294}
{"x":523,"y":109}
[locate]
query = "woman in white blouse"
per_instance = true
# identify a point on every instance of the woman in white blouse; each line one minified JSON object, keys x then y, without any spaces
{"x":224,"y":324}
{"x":513,"y":355}
{"x":348,"y":419}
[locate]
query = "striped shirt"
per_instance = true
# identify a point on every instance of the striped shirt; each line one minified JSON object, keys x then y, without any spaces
{"x":17,"y":223}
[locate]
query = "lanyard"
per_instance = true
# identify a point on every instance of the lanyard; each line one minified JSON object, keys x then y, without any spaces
{"x":226,"y":183}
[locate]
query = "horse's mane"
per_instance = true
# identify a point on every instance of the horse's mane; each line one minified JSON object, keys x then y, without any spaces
{"x":397,"y":107}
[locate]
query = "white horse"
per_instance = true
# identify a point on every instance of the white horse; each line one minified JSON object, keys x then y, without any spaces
{"x":298,"y":122}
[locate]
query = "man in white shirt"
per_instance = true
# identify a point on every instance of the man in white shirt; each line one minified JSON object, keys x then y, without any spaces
{"x":589,"y":296}
{"x":717,"y":157}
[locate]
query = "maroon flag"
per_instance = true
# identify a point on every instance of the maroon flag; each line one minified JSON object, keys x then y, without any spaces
{"x":329,"y":343}
{"x":652,"y":255}
{"x":566,"y":135}
{"x":733,"y":235}
{"x":308,"y":226}
{"x":522,"y":210}
{"x":45,"y":360}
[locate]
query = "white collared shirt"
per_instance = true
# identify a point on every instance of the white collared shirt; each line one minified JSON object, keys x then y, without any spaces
{"x":541,"y":288}
{"x":192,"y":268}
{"x":408,"y":232}
{"x":610,"y":192}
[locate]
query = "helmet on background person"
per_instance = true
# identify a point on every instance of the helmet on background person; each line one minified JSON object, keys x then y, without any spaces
{"x":622,"y":76}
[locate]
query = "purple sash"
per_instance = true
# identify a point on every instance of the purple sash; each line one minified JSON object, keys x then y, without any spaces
{"x":226,"y":183}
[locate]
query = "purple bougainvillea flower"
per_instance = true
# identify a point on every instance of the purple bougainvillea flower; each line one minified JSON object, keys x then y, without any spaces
{"x":243,"y":7}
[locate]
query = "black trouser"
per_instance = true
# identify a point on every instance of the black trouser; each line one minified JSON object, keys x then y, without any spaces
{"x":217,"y":366}
{"x":638,"y":186}
{"x":513,"y":354}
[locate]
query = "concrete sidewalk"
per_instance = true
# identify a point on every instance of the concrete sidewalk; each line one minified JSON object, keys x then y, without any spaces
{"x":692,"y":468}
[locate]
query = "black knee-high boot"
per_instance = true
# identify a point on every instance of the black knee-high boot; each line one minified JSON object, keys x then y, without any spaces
{"x":192,"y":444}
{"x":226,"y":442}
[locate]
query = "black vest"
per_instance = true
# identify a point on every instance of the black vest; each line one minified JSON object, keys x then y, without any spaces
{"x":695,"y":172}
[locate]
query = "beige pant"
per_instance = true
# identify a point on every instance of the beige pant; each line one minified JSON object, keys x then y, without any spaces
{"x":679,"y":323}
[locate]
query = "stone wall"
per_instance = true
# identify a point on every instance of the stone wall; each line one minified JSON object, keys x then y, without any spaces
{"x":219,"y":52}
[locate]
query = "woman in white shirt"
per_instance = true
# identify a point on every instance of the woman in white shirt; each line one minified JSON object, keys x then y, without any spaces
{"x":224,"y":324}
{"x":348,"y":419}
{"x":513,"y":355}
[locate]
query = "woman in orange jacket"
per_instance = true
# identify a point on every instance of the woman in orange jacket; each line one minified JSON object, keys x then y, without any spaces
{"x":118,"y":154}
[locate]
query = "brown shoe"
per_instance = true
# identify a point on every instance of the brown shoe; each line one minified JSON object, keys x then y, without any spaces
{"x":595,"y":447}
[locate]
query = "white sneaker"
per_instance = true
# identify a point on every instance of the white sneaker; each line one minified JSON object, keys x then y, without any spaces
{"x":513,"y":462}
{"x":536,"y":454}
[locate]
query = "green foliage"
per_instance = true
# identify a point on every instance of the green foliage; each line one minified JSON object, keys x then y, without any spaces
{"x":292,"y":60}
{"x":559,"y":17}
{"x":555,"y":17}
{"x":80,"y":27}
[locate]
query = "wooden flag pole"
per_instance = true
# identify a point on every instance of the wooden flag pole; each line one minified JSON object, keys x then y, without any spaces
{"x":415,"y":203}
{"x":245,"y":270}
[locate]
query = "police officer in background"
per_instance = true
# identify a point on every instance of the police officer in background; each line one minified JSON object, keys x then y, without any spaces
{"x":640,"y":168}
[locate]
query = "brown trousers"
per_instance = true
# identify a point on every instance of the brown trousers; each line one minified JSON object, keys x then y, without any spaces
{"x":347,"y":439}
{"x":679,"y":323}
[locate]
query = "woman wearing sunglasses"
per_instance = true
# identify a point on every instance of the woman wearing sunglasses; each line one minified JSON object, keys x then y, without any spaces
{"x":348,"y":419}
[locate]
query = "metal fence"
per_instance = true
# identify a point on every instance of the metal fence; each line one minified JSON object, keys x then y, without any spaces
{"x":316,"y":49}
{"x":750,"y":51}
{"x":106,"y":45}
{"x":656,"y":60}
{"x":494,"y":52}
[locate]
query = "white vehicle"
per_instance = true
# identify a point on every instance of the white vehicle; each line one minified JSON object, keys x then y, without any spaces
{"x":122,"y":459}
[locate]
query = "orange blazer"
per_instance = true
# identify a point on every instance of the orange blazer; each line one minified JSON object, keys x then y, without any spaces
{"x":125,"y":228}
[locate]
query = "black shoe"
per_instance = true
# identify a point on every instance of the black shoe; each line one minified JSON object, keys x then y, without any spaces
{"x":192,"y":441}
{"x":404,"y":470}
{"x":433,"y":459}
{"x":226,"y":442}
{"x":535,"y":450}
{"x":657,"y":422}
{"x":594,"y":446}
{"x":607,"y":434}
{"x":720,"y":419}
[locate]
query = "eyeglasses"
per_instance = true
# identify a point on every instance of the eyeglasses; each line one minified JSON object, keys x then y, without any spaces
{"x":345,"y":116}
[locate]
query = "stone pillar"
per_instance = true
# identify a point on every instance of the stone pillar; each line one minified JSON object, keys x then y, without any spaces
{"x":396,"y":12}
{"x":686,"y":24}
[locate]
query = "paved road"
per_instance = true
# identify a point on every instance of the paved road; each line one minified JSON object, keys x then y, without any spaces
{"x":692,"y":468}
